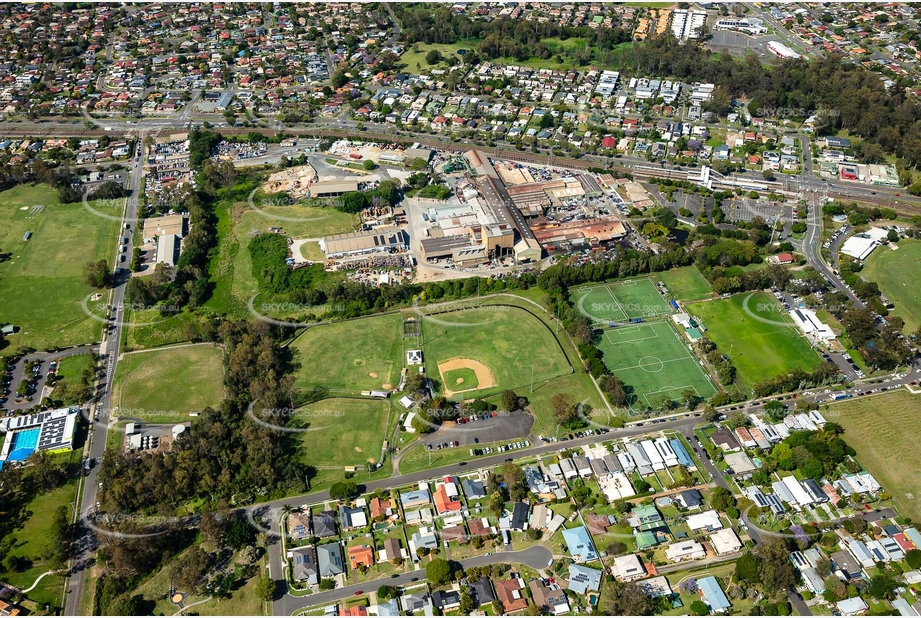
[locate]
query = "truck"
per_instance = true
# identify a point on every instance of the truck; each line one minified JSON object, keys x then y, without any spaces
{"x":839,"y":396}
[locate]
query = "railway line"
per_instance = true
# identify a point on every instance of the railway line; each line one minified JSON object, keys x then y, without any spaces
{"x":884,"y":197}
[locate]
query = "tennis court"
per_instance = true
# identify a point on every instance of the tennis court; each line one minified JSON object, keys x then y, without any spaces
{"x":653,"y":359}
{"x":620,"y":301}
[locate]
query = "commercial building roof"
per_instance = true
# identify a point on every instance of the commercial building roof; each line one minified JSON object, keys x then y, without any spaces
{"x":366,"y":241}
{"x":333,"y":188}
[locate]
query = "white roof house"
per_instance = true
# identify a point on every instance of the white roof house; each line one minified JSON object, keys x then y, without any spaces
{"x":628,"y":568}
{"x":708,"y":520}
{"x":685,"y":550}
{"x":852,"y":607}
{"x":725,"y":541}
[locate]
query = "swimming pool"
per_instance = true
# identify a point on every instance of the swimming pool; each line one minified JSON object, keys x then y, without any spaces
{"x":24,"y":444}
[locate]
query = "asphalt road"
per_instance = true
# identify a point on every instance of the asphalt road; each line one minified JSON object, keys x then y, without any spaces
{"x":85,"y":542}
{"x":534,"y":557}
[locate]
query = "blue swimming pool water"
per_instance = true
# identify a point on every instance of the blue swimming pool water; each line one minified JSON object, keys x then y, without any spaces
{"x":24,"y":443}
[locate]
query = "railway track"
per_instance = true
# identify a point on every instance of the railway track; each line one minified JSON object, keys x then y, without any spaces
{"x":884,"y":200}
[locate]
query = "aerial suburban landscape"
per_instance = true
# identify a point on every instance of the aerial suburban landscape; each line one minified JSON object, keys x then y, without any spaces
{"x":474,"y":308}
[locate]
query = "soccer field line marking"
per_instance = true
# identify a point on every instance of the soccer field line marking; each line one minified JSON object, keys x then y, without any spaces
{"x":673,"y":360}
{"x":630,"y":329}
{"x":617,"y":302}
{"x":666,"y":389}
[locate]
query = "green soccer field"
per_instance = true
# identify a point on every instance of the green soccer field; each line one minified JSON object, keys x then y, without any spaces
{"x":620,"y":301}
{"x":653,"y":360}
{"x":761,"y":338}
{"x":42,"y":281}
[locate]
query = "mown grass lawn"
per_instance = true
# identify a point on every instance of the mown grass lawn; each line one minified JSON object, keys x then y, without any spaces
{"x":759,"y":336}
{"x":351,"y":356}
{"x":169,"y":383}
{"x":42,"y":281}
{"x":685,"y":283}
{"x":877,"y":427}
{"x":30,"y":540}
{"x":344,"y":432}
{"x":898,"y":272}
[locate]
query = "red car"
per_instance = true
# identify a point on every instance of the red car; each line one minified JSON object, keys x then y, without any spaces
{"x":357,"y":593}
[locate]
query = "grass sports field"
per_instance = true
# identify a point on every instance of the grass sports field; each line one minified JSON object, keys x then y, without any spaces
{"x":361,"y":424}
{"x":879,"y":429}
{"x":620,"y":301}
{"x":652,"y":359}
{"x":507,"y":340}
{"x":352,"y":356}
{"x":685,"y":283}
{"x":897,"y":273}
{"x":762,"y":338}
{"x":42,"y":282}
{"x":461,"y":379}
{"x":30,"y":540}
{"x":149,"y":382}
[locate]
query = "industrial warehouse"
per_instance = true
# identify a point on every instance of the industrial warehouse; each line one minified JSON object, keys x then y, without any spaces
{"x":501,"y":213}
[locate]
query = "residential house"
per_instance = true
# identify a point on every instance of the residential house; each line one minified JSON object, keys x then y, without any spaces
{"x":446,"y":600}
{"x":689,"y":499}
{"x":381,"y":508}
{"x":423,"y":537}
{"x":446,"y":497}
{"x":416,"y":604}
{"x":392,"y":550}
{"x":417,"y":497}
{"x":628,"y":568}
{"x":725,"y":541}
{"x":361,"y":555}
{"x":299,"y":525}
{"x":324,"y":524}
{"x":304,"y":566}
{"x":482,"y":592}
{"x":352,"y":517}
{"x":707,"y":520}
{"x":329,"y":560}
{"x":549,"y":598}
{"x":845,"y":563}
{"x":511,"y":593}
{"x":454,"y":533}
{"x":852,"y":607}
{"x":473,"y":489}
{"x":583,"y":579}
{"x":713,"y":595}
{"x":580,"y":545}
{"x":685,"y":550}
